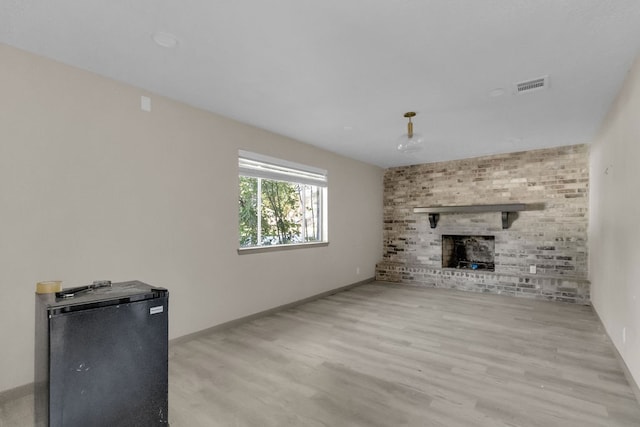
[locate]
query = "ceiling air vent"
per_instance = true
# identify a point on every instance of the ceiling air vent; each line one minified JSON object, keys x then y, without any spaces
{"x":532,"y":85}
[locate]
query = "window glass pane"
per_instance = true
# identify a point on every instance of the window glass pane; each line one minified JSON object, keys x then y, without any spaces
{"x":280,"y":211}
{"x":248,"y":230}
{"x":281,"y":207}
{"x":280,"y":202}
{"x":309,"y":213}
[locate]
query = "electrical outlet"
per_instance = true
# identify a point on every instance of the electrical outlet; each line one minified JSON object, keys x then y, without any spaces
{"x":357,"y":270}
{"x":532,"y":269}
{"x":624,"y":336}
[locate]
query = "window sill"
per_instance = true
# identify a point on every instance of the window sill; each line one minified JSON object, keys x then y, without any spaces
{"x":274,"y":248}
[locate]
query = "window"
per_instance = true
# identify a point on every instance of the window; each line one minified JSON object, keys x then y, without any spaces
{"x":280,"y":202}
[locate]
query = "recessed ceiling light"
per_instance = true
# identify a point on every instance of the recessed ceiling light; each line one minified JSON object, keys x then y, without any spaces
{"x":348,"y":128}
{"x":165,"y":40}
{"x":496,"y":92}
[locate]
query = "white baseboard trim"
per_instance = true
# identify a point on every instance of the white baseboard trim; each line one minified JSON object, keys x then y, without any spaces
{"x":16,"y":393}
{"x":241,"y":320}
{"x":627,"y":373}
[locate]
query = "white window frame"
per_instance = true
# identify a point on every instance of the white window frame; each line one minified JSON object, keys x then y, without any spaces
{"x":256,"y":165}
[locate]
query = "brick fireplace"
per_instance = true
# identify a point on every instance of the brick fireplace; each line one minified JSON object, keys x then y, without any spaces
{"x":550,"y":234}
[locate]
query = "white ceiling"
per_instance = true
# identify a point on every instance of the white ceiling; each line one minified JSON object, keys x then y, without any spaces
{"x":339,"y":74}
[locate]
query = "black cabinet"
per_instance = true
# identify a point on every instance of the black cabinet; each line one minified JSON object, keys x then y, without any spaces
{"x":102,"y":357}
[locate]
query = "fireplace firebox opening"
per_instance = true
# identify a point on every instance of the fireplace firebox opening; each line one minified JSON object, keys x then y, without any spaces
{"x":468,"y":252}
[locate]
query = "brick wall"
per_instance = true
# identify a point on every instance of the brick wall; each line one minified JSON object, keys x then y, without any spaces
{"x":552,"y":235}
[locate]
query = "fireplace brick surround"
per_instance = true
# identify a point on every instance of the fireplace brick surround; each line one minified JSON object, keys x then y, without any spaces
{"x":552,"y":235}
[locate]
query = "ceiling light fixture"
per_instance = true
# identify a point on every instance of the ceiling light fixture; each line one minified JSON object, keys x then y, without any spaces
{"x":410,"y":142}
{"x":166,"y":40}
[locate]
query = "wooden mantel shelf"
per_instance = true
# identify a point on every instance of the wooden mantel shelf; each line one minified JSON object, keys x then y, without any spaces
{"x":435,"y":211}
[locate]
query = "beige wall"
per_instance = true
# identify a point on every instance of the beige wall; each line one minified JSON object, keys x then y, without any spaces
{"x":614,"y":234}
{"x":93,"y":188}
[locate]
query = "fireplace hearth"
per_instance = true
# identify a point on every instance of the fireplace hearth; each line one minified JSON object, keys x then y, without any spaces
{"x":465,"y":252}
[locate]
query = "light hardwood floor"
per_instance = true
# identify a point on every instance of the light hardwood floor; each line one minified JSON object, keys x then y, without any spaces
{"x":397,"y":355}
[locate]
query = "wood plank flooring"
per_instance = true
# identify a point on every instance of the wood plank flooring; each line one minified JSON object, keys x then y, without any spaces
{"x":398,"y":355}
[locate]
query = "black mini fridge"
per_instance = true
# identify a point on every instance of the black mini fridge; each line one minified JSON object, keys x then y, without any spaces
{"x":101,"y":356}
